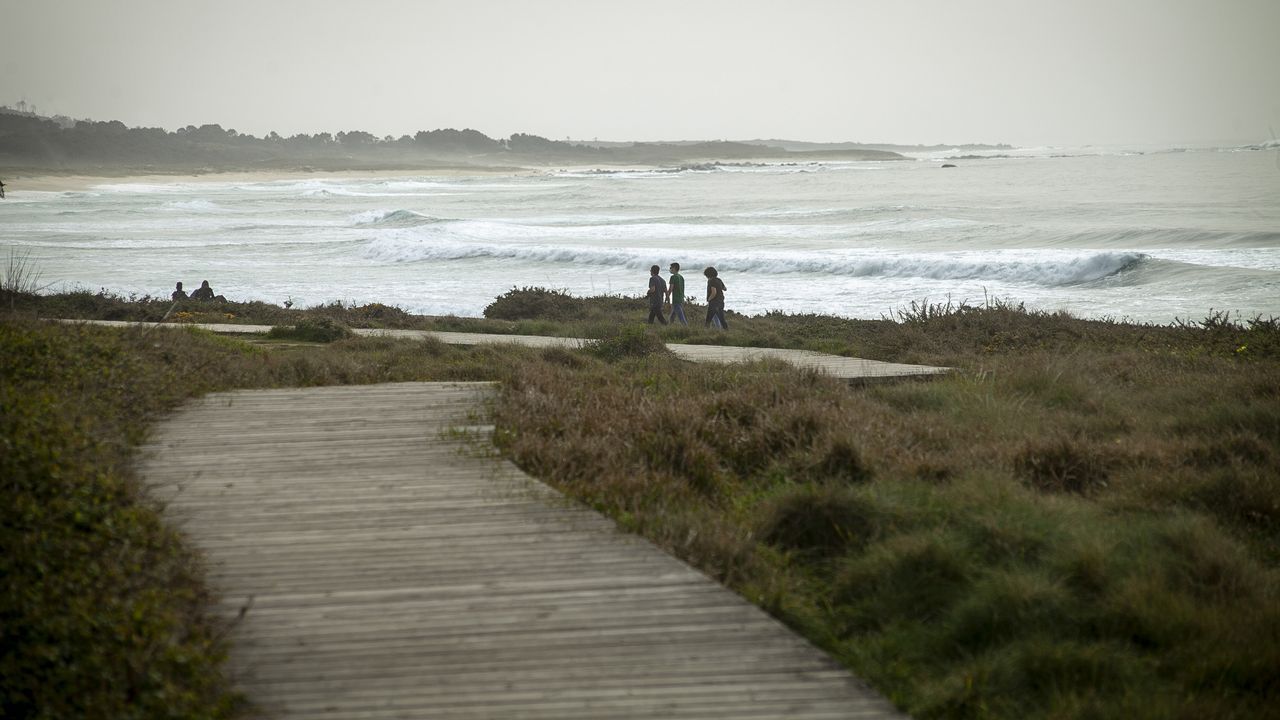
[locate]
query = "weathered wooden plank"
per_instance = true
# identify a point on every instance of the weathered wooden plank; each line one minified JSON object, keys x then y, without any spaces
{"x":385,"y":570}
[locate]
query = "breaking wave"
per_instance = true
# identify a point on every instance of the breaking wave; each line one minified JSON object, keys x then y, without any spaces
{"x":1031,"y":268}
{"x":1168,"y":237}
{"x":394,"y":219}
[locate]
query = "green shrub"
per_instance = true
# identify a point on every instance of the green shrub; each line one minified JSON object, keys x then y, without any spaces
{"x":530,"y":303}
{"x":630,"y":343}
{"x":102,"y":607}
{"x":317,"y":330}
{"x":381,"y":315}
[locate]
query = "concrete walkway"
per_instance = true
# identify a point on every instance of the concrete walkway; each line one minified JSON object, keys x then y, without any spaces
{"x":387,"y":567}
{"x":834,"y":365}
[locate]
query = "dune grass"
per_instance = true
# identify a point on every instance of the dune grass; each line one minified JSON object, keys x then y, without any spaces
{"x":1083,"y":520}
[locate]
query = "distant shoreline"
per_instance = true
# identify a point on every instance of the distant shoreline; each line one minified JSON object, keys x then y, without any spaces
{"x":50,"y":182}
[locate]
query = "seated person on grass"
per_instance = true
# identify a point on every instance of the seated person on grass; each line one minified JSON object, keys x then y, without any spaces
{"x":206,"y":293}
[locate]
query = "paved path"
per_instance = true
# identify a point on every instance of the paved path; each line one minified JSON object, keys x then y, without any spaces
{"x":393,"y":570}
{"x":834,"y":365}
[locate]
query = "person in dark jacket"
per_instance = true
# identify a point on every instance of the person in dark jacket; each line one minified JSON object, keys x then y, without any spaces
{"x":715,"y":300}
{"x":204,"y":292}
{"x":657,"y":292}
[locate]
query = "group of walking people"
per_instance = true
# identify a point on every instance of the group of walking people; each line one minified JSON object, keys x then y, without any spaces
{"x":672,"y":291}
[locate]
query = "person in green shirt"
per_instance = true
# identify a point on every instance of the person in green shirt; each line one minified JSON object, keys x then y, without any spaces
{"x":675,"y":291}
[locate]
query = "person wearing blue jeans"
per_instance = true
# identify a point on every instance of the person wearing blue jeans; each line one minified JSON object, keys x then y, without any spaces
{"x":675,"y":291}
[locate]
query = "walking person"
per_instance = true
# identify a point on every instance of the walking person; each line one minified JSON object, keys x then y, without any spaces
{"x":657,"y":291}
{"x":715,"y":299}
{"x":675,"y":291}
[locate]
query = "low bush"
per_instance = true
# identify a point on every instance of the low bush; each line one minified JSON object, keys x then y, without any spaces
{"x":103,"y":607}
{"x":536,"y":303}
{"x":631,"y":342}
{"x":318,"y":330}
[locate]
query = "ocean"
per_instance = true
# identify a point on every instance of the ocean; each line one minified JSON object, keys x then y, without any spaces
{"x":1149,"y":236}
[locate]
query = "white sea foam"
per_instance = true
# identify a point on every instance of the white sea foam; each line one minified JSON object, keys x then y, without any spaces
{"x":1242,"y":259}
{"x":647,"y":232}
{"x":1148,"y":237}
{"x":608,"y":234}
{"x":393,"y":218}
{"x":193,"y":206}
{"x":1046,"y":268}
{"x":144,"y":188}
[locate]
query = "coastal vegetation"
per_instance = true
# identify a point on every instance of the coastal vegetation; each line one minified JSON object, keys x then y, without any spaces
{"x":33,"y":144}
{"x":1082,"y":519}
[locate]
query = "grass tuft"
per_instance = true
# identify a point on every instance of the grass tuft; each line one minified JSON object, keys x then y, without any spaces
{"x":842,"y":461}
{"x":821,"y":519}
{"x":1061,"y":465}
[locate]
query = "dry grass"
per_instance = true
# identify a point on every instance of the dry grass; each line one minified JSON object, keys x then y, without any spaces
{"x":1081,"y":522}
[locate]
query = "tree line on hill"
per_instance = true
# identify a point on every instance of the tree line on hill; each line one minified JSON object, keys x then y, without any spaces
{"x":31,"y":141}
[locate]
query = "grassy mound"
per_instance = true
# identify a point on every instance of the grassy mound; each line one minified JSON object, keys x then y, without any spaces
{"x":103,"y":610}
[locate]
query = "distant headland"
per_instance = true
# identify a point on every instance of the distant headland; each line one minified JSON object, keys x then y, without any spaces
{"x":36,"y":144}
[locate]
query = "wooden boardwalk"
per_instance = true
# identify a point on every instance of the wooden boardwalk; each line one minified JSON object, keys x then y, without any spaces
{"x":835,"y":365}
{"x":392,"y":570}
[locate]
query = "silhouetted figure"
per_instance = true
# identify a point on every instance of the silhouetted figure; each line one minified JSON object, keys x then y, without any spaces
{"x":1,"y":189}
{"x":206,"y":293}
{"x":715,"y":300}
{"x":657,"y":291}
{"x":179,"y":293}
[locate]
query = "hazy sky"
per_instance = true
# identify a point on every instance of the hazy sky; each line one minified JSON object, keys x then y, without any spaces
{"x":1028,"y":72}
